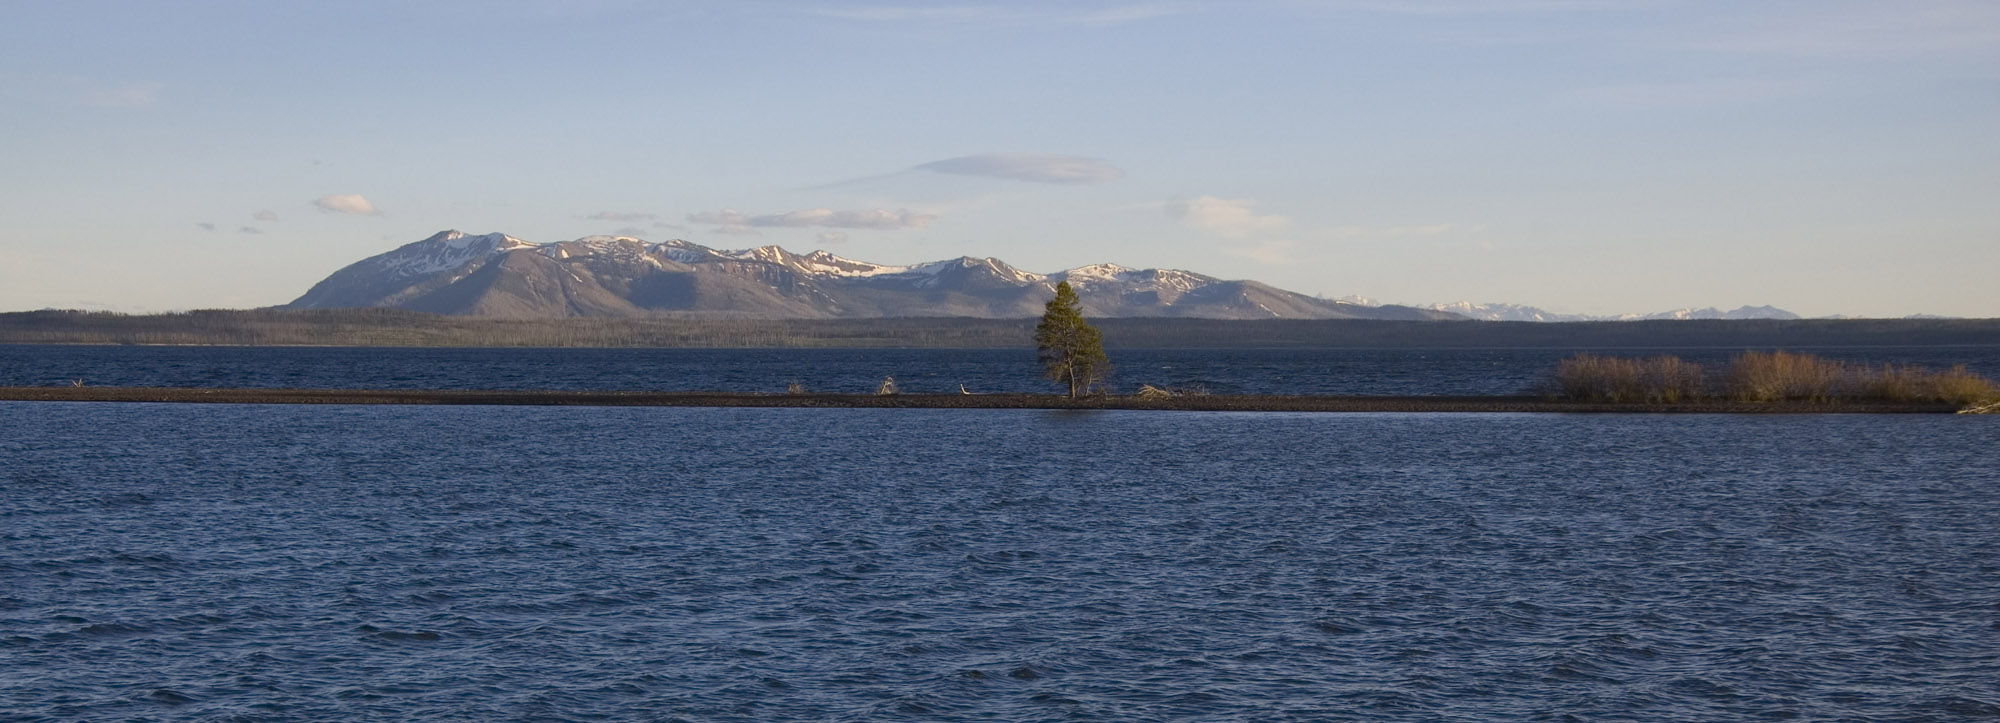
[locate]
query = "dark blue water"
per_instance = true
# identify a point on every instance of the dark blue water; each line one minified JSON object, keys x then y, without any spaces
{"x":220,"y":562}
{"x":1219,"y":371}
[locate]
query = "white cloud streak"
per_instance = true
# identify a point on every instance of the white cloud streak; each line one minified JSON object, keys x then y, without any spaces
{"x":878,"y":219}
{"x":1225,"y":217}
{"x":620,"y":216}
{"x":1033,"y":167}
{"x":1908,"y":28}
{"x":1694,"y":94}
{"x":1268,"y":252}
{"x":353,"y":204}
{"x":1067,"y":14}
{"x":265,"y":215}
{"x":1450,"y":8}
{"x":142,"y":95}
{"x":1410,"y":231}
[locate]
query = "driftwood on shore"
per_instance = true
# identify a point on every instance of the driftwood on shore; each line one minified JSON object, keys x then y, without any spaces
{"x":1204,"y":403}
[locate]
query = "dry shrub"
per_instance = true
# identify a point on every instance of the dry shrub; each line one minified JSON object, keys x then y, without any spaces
{"x":1588,"y":376}
{"x":1916,"y":384}
{"x":1963,"y":387}
{"x":1620,"y":379}
{"x":1773,"y":376}
{"x":1668,"y":379}
{"x":1766,"y":377}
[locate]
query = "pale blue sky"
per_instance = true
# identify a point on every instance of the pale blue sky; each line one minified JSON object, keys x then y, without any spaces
{"x":1586,"y":156}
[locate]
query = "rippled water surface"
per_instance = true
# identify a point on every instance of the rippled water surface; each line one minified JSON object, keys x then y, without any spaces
{"x":490,"y":563}
{"x":1220,"y":371}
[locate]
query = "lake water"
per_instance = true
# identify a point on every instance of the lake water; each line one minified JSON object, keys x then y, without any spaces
{"x":1220,"y":371}
{"x":277,"y":563}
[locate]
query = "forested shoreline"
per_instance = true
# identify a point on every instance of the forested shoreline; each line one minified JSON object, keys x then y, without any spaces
{"x":392,"y":327}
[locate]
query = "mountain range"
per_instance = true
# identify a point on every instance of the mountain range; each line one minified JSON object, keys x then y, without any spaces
{"x":497,"y":275}
{"x":1517,"y":312}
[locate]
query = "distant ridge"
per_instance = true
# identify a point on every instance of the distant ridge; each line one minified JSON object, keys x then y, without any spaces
{"x":496,"y":275}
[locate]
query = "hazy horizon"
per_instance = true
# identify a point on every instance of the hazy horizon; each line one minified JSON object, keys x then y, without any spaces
{"x":1581,"y":156}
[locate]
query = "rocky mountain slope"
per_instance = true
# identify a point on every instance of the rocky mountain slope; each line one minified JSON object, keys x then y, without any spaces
{"x":501,"y":276}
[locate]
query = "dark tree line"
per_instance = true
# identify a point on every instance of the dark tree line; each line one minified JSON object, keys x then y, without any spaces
{"x":394,"y":327}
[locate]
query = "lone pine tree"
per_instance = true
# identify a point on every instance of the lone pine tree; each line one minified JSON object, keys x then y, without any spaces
{"x":1072,"y":351}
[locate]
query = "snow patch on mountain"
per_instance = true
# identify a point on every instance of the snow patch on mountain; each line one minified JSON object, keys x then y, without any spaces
{"x":1093,"y":272}
{"x":822,"y":262}
{"x":684,"y":252}
{"x":445,"y":251}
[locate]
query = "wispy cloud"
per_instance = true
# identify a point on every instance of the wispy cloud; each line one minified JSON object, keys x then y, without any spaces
{"x":1694,"y":94}
{"x":1409,"y":231}
{"x":1029,"y":167}
{"x":1911,"y":27}
{"x":880,"y":219}
{"x":205,"y":226}
{"x":1485,"y":7}
{"x":1275,"y":239}
{"x":140,"y":95}
{"x":832,"y":237}
{"x":1269,"y":252}
{"x":633,"y":231}
{"x":353,"y":204}
{"x":1225,"y":217}
{"x":1073,"y":13}
{"x":265,"y":215}
{"x":250,"y":230}
{"x":38,"y":87}
{"x":620,"y":216}
{"x":1119,"y":14}
{"x":1033,"y":167}
{"x":907,"y":13}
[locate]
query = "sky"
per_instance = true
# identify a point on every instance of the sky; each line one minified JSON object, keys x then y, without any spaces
{"x":1582,"y":156}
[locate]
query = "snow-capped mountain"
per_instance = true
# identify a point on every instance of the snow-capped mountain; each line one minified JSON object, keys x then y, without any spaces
{"x":1517,"y":312}
{"x":499,"y":275}
{"x":1741,"y":312}
{"x":1503,"y":312}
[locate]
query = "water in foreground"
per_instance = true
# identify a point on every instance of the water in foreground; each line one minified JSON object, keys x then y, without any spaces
{"x":427,"y":563}
{"x":1395,"y":372}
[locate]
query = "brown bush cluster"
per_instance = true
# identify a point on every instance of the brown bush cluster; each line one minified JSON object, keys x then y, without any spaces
{"x":1764,"y":377}
{"x":1621,"y":379}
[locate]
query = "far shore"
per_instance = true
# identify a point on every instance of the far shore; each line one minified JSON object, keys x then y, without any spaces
{"x":1193,"y":403}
